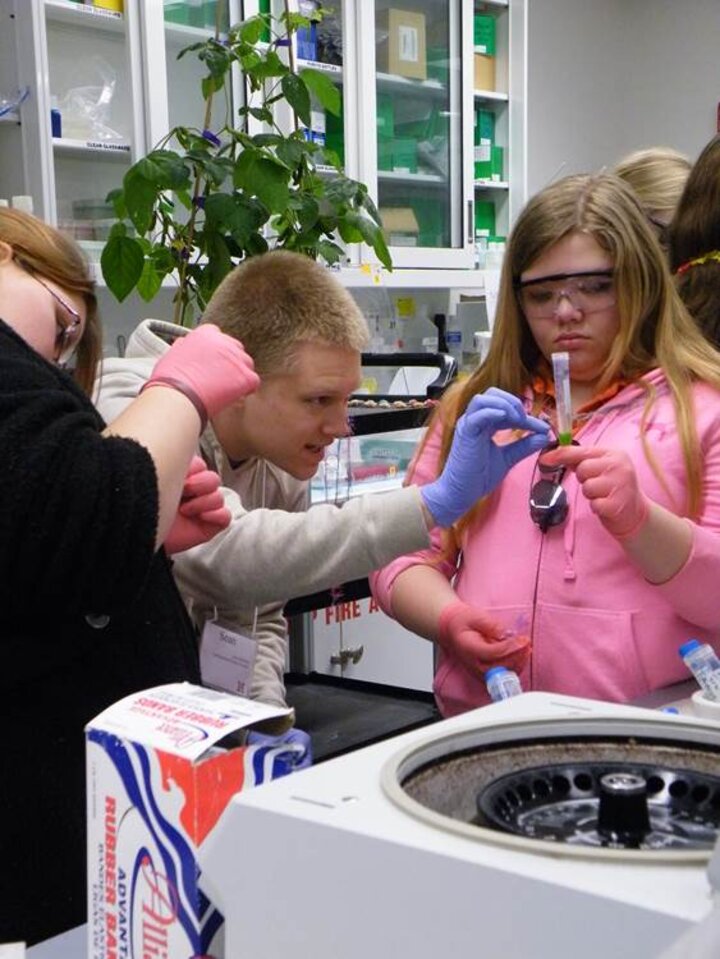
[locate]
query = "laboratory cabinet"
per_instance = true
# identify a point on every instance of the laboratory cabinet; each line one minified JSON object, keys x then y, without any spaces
{"x":103,"y":86}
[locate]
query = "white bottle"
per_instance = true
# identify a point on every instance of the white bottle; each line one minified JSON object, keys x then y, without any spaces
{"x":502,"y":683}
{"x":23,"y":203}
{"x":454,"y":339}
{"x":702,"y":661}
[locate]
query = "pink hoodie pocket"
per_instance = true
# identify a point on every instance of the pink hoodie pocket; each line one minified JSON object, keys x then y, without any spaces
{"x":587,"y":652}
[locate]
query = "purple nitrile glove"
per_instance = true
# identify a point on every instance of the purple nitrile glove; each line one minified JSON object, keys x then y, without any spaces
{"x":476,"y":464}
{"x":293,"y":737}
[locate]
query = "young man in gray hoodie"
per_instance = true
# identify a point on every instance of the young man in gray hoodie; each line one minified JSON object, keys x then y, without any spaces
{"x":305,"y":334}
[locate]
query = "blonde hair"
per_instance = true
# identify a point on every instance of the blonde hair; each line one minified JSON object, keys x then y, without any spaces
{"x":275,"y":301}
{"x":55,"y":257}
{"x":655,"y":328}
{"x":657,"y":175}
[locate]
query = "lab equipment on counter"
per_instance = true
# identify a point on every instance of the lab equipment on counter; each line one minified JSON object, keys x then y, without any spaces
{"x":702,"y":661}
{"x":487,"y":814}
{"x":502,"y":683}
{"x":563,"y":401}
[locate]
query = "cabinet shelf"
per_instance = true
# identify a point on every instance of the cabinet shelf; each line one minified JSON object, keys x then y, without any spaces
{"x":77,"y":14}
{"x":113,"y":149}
{"x":491,"y":95}
{"x":398,"y":176}
{"x":335,"y":71}
{"x":391,"y":83}
{"x":491,"y":185}
{"x":181,"y":33}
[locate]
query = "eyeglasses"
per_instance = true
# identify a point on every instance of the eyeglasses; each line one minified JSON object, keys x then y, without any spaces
{"x":548,"y":499}
{"x":586,"y":292}
{"x":68,"y":334}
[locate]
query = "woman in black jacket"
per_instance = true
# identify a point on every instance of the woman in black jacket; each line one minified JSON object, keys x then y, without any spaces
{"x":90,"y":612}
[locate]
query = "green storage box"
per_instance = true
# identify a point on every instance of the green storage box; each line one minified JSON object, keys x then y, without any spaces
{"x":385,"y":117}
{"x":430,"y":214}
{"x":491,"y":164}
{"x":404,"y":154}
{"x":385,"y":154}
{"x":484,"y":218}
{"x":438,"y":65}
{"x":484,"y":126}
{"x":484,"y":34}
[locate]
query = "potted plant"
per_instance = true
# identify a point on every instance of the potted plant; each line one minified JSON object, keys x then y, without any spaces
{"x":223,"y":194}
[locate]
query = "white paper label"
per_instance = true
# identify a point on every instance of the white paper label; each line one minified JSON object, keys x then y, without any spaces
{"x":408,"y":44}
{"x":227,"y":659}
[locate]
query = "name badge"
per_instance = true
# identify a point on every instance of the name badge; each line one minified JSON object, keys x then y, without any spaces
{"x":227,"y":659}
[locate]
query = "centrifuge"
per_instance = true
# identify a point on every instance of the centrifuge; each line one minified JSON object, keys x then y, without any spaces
{"x":541,"y":826}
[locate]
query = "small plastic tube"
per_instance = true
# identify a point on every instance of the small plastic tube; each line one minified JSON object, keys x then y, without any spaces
{"x":563,"y":402}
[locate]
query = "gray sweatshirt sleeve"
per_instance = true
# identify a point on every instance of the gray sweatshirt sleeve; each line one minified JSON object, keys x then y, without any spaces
{"x":270,"y":556}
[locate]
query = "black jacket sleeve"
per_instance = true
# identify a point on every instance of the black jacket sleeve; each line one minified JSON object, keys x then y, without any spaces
{"x":78,"y":511}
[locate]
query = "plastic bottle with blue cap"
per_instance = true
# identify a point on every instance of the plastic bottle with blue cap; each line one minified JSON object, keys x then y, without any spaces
{"x":502,"y":683}
{"x":702,"y":661}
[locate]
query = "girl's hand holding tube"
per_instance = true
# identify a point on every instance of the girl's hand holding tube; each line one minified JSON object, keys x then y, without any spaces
{"x":609,"y":482}
{"x":477,"y":641}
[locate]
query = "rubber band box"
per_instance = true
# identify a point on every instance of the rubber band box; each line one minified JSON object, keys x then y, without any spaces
{"x":159,"y":774}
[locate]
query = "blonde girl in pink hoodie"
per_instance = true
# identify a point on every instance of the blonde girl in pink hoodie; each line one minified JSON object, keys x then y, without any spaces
{"x":587,"y":584}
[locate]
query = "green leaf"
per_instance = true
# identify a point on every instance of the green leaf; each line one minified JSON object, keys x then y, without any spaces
{"x":308,"y":212}
{"x":251,"y":30}
{"x":150,"y":281}
{"x":323,"y":89}
{"x":121,"y":262}
{"x":117,"y":198}
{"x":140,"y":197}
{"x":164,"y":169}
{"x":290,"y":152}
{"x":257,"y":244}
{"x":297,"y":95}
{"x":263,"y":178}
{"x":330,"y":251}
{"x":217,"y":267}
{"x":271,"y":66}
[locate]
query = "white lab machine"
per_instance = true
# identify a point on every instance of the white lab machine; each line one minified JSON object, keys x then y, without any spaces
{"x":514,"y":830}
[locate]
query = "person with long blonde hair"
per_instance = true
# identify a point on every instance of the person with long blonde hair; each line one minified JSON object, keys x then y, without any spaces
{"x":598,"y":559}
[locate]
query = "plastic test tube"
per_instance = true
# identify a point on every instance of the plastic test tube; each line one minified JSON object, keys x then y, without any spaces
{"x":563,"y":402}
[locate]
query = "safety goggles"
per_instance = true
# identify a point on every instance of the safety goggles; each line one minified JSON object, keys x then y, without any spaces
{"x":548,"y":499}
{"x":587,"y":292}
{"x":69,"y":328}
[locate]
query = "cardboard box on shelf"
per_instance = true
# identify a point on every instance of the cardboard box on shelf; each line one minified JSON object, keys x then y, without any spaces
{"x":159,"y":774}
{"x":484,"y":66}
{"x":401,"y":43}
{"x":400,"y":225}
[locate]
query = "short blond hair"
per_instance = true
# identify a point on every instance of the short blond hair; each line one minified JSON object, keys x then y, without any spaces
{"x":657,"y":175}
{"x":279,"y":299}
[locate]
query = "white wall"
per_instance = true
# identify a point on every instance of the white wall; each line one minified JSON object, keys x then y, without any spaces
{"x":609,"y":76}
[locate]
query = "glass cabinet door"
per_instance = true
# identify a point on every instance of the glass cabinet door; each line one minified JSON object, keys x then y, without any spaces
{"x":86,"y":125}
{"x":422,"y":129}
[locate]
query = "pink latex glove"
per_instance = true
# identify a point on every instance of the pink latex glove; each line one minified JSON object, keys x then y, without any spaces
{"x":478,"y":641}
{"x":202,"y":512}
{"x":609,"y":482}
{"x":209,"y":367}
